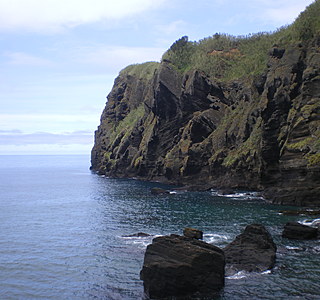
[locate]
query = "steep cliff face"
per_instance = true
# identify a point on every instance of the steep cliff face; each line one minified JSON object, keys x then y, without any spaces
{"x":184,"y":128}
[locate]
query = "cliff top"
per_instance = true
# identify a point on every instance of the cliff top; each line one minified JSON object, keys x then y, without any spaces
{"x":225,"y":57}
{"x":141,"y":71}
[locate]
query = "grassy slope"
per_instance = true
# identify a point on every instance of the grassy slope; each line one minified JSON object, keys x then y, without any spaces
{"x":214,"y":55}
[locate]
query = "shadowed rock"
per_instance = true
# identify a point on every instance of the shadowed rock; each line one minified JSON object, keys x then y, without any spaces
{"x":252,"y":250}
{"x":297,"y":231}
{"x":177,"y":266}
{"x":159,"y":191}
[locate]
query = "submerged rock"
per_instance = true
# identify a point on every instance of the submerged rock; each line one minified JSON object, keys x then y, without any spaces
{"x":138,"y":234}
{"x":252,"y":250}
{"x":159,"y":191}
{"x":193,"y":233}
{"x":177,"y":266}
{"x":297,"y":231}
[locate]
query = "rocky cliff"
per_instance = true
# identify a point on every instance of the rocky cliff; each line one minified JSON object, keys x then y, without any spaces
{"x":261,"y":132}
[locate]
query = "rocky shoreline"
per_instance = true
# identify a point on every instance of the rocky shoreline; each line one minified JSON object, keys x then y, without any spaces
{"x":189,"y":129}
{"x":184,"y":267}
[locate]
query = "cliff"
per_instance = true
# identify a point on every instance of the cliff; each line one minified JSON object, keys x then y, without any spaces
{"x":188,"y":127}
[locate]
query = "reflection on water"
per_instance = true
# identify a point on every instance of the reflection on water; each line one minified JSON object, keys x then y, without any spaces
{"x":62,"y":234}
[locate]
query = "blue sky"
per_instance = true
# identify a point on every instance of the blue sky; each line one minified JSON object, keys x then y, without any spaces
{"x":59,"y":58}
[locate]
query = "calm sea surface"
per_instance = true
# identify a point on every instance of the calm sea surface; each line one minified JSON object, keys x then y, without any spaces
{"x":62,"y":234}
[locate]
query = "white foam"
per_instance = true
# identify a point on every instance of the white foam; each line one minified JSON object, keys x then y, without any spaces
{"x":238,"y":275}
{"x":239,"y":195}
{"x":213,"y":238}
{"x":141,"y":241}
{"x":312,"y":223}
{"x":316,"y":248}
{"x":245,"y":274}
{"x":293,"y":248}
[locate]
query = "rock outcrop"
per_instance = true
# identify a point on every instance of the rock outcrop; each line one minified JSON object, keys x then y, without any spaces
{"x":193,"y":233}
{"x":297,"y":231}
{"x":177,"y":266}
{"x":251,"y":251}
{"x":186,"y":128}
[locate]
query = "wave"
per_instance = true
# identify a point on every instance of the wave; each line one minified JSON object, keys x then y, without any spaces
{"x":213,"y":238}
{"x":295,"y":248}
{"x":140,"y":241}
{"x":245,"y":274}
{"x":312,"y":223}
{"x":238,"y":195}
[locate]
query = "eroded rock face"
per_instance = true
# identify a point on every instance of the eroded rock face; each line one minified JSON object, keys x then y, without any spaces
{"x":251,"y":251}
{"x":187,"y":129}
{"x":182,"y":267}
{"x":297,"y":231}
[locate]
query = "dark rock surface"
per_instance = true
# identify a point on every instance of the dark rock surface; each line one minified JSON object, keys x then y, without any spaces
{"x":297,"y":231}
{"x":159,"y":191}
{"x":251,"y":251}
{"x":260,"y":134}
{"x":181,"y":267}
{"x":193,"y":233}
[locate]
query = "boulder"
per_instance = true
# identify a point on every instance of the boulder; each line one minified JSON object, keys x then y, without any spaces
{"x":177,"y":266}
{"x":193,"y":233}
{"x":159,"y":191}
{"x":251,"y":251}
{"x":297,"y":231}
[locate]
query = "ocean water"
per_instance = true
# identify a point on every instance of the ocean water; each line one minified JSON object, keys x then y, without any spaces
{"x":63,"y":228}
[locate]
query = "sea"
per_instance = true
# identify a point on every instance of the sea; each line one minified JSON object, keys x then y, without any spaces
{"x":65,"y":233}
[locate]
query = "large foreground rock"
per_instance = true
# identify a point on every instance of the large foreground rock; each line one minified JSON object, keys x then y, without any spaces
{"x":253,"y":250}
{"x":177,"y":266}
{"x":297,"y":231}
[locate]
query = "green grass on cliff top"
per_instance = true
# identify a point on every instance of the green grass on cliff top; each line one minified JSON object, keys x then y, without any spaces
{"x":141,"y":71}
{"x":227,"y":57}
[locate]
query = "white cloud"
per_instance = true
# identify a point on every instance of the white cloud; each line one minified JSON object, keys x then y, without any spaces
{"x":55,"y":15}
{"x":279,"y":12}
{"x":21,"y":58}
{"x":175,"y":27}
{"x":116,"y":58}
{"x":284,"y":15}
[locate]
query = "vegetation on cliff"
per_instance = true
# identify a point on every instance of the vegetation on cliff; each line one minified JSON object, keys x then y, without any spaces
{"x":141,"y":71}
{"x":242,"y":112}
{"x":227,"y":57}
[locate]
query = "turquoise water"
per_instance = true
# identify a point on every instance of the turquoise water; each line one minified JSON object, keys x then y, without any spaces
{"x":62,"y":233}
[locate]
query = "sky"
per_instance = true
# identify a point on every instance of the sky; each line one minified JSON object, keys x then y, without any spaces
{"x":59,"y":58}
